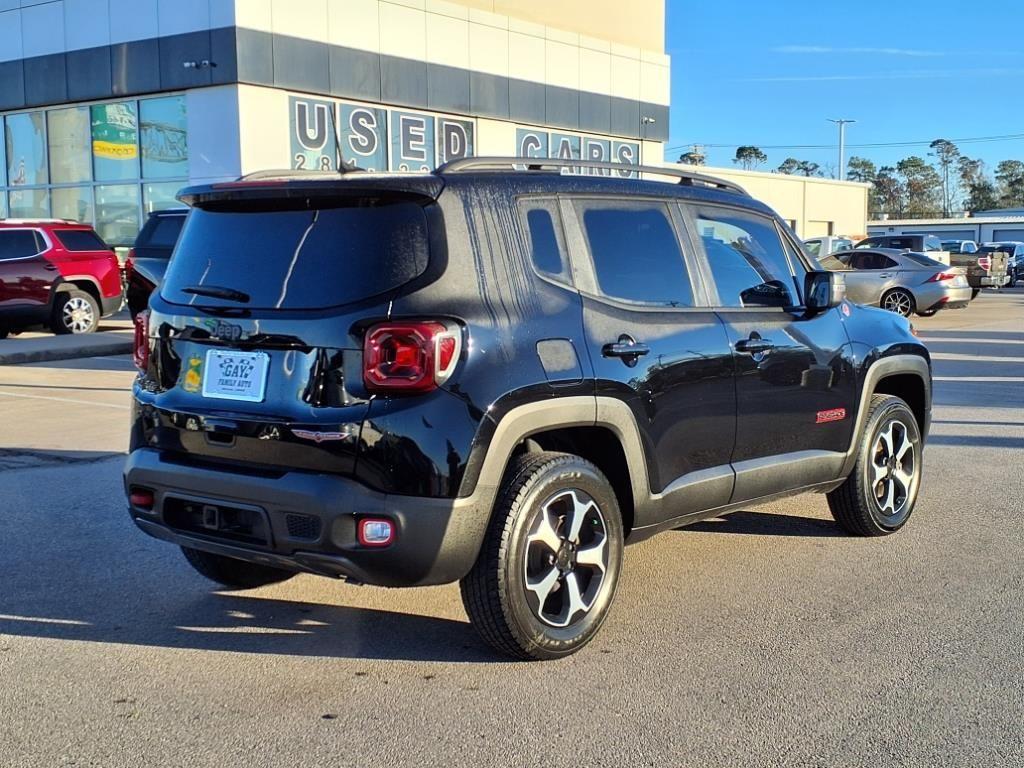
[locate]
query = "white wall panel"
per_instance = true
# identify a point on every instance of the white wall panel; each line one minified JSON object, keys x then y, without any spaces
{"x":488,"y":49}
{"x":86,"y":24}
{"x":10,"y":35}
{"x":355,"y":24}
{"x":403,"y":31}
{"x":42,"y":29}
{"x":213,"y":133}
{"x":133,"y":20}
{"x":301,"y":18}
{"x":526,"y":56}
{"x":447,"y":41}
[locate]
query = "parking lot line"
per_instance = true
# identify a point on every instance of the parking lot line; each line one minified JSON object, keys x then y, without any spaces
{"x":65,"y":400}
{"x":982,"y":379}
{"x":975,"y":358}
{"x":946,"y":340}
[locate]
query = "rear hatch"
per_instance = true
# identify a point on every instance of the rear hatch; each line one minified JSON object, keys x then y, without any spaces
{"x":986,"y":263}
{"x":257,"y":329}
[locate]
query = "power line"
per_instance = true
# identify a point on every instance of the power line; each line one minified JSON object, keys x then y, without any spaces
{"x":875,"y":145}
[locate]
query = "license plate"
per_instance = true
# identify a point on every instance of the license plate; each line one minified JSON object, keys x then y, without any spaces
{"x":234,"y":375}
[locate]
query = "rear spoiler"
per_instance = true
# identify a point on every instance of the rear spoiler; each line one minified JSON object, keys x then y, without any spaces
{"x":330,"y":186}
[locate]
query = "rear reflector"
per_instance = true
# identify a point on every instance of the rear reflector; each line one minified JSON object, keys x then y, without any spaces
{"x":376,"y":532}
{"x":140,"y":352}
{"x":141,"y":498}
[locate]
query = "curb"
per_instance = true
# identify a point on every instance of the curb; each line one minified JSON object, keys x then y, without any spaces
{"x":103,"y":349}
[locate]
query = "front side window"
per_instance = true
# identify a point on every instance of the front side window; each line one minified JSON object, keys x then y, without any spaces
{"x":747,"y":259}
{"x":635,"y":252}
{"x":17,"y":244}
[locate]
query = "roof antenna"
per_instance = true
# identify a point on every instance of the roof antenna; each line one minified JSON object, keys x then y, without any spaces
{"x":342,"y":168}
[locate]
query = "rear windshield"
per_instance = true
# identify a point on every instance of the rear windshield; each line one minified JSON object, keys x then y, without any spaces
{"x":996,"y":249}
{"x":924,"y":261}
{"x":160,"y":232}
{"x":303,"y":259}
{"x":80,"y":240}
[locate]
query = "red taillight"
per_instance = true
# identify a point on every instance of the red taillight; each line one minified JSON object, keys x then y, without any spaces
{"x":940,"y":276}
{"x":409,"y":356}
{"x":985,"y":262}
{"x":141,"y":498}
{"x":140,"y":352}
{"x":129,"y":262}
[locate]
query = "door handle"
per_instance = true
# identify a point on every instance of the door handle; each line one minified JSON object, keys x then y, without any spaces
{"x":754,"y":346}
{"x":628,"y":349}
{"x":50,"y":267}
{"x":884,"y":276}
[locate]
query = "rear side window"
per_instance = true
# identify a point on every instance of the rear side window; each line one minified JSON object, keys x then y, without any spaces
{"x":544,"y":229}
{"x":18,"y":244}
{"x":80,"y":240}
{"x":813,"y":247}
{"x":747,"y":259}
{"x":302,"y":259}
{"x":871,"y":260}
{"x":161,"y":232}
{"x":635,"y":252}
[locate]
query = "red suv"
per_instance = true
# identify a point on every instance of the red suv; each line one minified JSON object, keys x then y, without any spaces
{"x":58,"y":273}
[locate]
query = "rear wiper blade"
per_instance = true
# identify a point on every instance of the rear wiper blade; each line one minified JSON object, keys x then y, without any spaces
{"x":214,"y":292}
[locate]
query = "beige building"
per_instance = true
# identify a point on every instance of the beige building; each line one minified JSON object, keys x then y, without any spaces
{"x":812,"y":206}
{"x":107,"y":109}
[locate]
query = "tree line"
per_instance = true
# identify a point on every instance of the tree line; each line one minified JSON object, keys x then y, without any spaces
{"x":914,"y":187}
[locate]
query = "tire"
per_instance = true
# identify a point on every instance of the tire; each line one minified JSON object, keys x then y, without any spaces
{"x":75,"y":312}
{"x":3,"y":333}
{"x":1013,"y":280}
{"x":899,"y":301}
{"x":541,"y":497}
{"x":974,"y":293}
{"x":232,"y":573}
{"x":856,"y":504}
{"x":927,"y":313}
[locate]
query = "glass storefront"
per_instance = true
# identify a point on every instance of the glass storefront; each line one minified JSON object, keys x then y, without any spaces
{"x":107,"y":164}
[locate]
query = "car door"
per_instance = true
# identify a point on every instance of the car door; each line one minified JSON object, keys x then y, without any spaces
{"x":26,"y":277}
{"x":656,"y":346}
{"x":871,"y":275}
{"x":795,"y":381}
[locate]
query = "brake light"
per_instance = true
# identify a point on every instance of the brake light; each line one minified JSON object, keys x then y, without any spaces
{"x":129,"y":262}
{"x":938,"y":277}
{"x":985,"y":262}
{"x":412,"y":356}
{"x":140,"y":352}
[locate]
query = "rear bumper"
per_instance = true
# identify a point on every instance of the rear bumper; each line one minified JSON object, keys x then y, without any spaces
{"x":437,"y":539}
{"x":944,"y":298}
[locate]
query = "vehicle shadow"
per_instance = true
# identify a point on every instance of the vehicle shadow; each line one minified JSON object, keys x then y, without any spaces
{"x":767,"y":524}
{"x":76,"y":568}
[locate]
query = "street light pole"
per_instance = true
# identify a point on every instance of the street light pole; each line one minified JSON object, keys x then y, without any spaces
{"x":842,"y":144}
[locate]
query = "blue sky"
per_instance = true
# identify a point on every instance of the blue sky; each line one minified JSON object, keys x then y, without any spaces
{"x":769,"y":72}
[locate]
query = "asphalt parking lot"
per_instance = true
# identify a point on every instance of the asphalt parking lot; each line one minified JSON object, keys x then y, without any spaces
{"x":765,"y":638}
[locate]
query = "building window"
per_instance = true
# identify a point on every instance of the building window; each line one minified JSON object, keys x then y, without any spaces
{"x":68,"y":140}
{"x":26,"y":150}
{"x":74,"y":203}
{"x":117,"y":213}
{"x":104,"y":164}
{"x":115,"y":141}
{"x":29,"y":203}
{"x":164,"y":138}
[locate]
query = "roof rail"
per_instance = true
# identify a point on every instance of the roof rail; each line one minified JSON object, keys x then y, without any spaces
{"x":557,"y":164}
{"x":39,"y":220}
{"x":286,"y":173}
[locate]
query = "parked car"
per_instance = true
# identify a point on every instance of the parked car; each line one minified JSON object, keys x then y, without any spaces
{"x":917,"y":243}
{"x":822,"y":246}
{"x":500,"y":377}
{"x":58,"y":273}
{"x":987,"y":268}
{"x":903,"y":282}
{"x":1014,"y":251}
{"x":147,"y":260}
{"x":959,"y":246}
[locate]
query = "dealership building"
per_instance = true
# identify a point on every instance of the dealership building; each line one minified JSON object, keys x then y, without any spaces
{"x":108,"y":107}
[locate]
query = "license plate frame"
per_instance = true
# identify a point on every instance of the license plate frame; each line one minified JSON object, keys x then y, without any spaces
{"x":219,"y":387}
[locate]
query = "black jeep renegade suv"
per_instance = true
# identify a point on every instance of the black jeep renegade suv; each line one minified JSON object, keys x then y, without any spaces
{"x":500,"y":373}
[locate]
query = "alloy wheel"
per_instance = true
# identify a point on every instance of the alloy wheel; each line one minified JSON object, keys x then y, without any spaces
{"x":77,"y":315}
{"x":898,"y":302}
{"x":894,"y":469}
{"x":566,"y":558}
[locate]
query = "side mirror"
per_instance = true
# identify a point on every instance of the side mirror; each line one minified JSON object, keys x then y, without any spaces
{"x":823,"y":290}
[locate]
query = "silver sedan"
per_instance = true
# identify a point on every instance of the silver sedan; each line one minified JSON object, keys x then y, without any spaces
{"x":900,"y":281}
